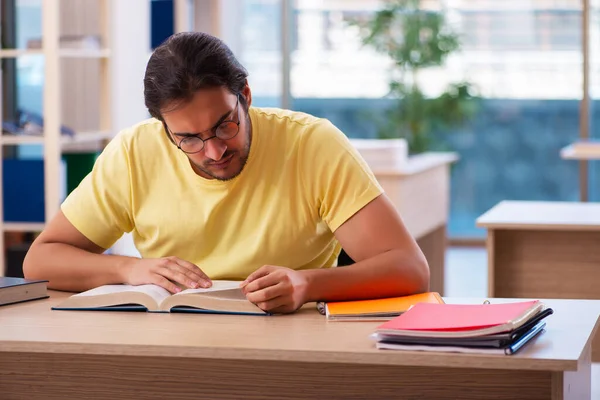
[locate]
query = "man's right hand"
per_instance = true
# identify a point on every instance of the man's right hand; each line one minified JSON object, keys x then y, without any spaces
{"x":166,"y":272}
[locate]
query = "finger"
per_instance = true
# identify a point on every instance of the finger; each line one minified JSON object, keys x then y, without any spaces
{"x":172,"y":271}
{"x":262,"y":282}
{"x":185,"y":277}
{"x":165,"y":283}
{"x":262,"y":271}
{"x":191,"y":266}
{"x":193,"y":271}
{"x":266,"y":294}
{"x":281,"y":302}
{"x":195,"y":280}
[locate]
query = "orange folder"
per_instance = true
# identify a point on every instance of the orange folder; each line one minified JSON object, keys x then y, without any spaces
{"x":377,"y":309}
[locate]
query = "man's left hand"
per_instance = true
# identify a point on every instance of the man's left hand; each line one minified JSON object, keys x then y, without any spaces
{"x":276,"y":289}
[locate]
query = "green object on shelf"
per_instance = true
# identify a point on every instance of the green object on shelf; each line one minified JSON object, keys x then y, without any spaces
{"x":78,"y":166}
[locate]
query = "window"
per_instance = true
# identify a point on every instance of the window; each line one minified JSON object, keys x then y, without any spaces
{"x":328,"y":60}
{"x":525,"y":59}
{"x":30,"y":68}
{"x":261,"y":50}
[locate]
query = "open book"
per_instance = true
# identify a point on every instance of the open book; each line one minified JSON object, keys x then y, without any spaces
{"x":223,"y":297}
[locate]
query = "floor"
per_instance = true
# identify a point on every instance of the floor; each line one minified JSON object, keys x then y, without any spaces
{"x":466,"y":272}
{"x":466,"y":276}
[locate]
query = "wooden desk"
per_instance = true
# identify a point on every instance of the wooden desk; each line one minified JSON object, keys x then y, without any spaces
{"x":420,"y":190}
{"x":544,"y":250}
{"x":48,"y":354}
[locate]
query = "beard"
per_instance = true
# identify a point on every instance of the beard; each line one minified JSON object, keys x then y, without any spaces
{"x":238,"y":161}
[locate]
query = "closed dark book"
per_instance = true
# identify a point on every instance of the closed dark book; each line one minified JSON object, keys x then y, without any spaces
{"x":17,"y":290}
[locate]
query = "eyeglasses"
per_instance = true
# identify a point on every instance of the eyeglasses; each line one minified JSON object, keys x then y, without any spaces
{"x":226,"y":130}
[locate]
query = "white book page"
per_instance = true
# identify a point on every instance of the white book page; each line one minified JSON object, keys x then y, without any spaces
{"x":447,"y":349}
{"x":216,"y":286}
{"x":154,"y":291}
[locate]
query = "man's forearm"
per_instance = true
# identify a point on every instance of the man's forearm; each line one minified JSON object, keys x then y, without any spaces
{"x":69,"y":268}
{"x":393,"y":273}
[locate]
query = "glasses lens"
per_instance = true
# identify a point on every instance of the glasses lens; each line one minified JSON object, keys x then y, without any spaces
{"x":191,"y":145}
{"x":227,"y":130}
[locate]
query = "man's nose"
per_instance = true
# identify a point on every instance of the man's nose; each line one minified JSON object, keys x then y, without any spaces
{"x":214,"y":149}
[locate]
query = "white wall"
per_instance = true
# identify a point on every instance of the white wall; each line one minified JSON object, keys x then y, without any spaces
{"x":130,"y":44}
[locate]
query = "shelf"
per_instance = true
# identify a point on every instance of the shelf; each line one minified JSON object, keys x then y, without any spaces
{"x":65,"y":40}
{"x":20,"y":139}
{"x":23,"y":226}
{"x":80,"y":137}
{"x":85,"y":137}
{"x":85,"y":142}
{"x":84,"y":53}
{"x":64,"y":53}
{"x":12,"y":53}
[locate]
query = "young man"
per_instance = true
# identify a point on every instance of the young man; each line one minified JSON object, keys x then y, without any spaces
{"x":213,"y":188}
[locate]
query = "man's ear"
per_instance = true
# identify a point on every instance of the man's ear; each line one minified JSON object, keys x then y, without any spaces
{"x":247,"y":93}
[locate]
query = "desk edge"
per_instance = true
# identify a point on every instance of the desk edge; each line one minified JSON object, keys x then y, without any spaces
{"x":379,"y":357}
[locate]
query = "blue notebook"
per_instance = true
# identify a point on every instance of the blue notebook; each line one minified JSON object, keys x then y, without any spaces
{"x":224,"y":297}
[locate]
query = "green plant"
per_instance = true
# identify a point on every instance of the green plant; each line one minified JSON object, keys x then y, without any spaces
{"x":416,"y":39}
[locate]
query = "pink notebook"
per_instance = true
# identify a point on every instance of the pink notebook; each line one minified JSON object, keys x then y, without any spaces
{"x":455,"y":320}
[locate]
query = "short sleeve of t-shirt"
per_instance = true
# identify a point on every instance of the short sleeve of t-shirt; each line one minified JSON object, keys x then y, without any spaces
{"x":100,"y":206}
{"x":338,"y":179}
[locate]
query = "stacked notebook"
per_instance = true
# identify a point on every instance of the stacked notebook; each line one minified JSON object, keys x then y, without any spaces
{"x":502,"y":328}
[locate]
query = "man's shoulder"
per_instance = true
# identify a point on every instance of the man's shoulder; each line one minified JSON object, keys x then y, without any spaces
{"x":299,"y":126}
{"x":147,"y":129}
{"x":145,"y":139}
{"x":280,"y":115}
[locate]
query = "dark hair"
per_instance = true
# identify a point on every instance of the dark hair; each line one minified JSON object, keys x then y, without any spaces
{"x":187,"y":62}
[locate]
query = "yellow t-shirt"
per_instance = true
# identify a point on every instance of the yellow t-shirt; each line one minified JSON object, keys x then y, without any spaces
{"x":302,"y":180}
